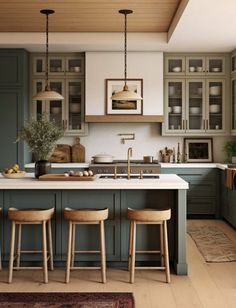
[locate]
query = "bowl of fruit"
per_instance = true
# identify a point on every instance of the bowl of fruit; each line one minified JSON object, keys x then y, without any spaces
{"x":13,"y":172}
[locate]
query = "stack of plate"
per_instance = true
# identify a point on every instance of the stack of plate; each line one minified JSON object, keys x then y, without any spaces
{"x":194,"y":110}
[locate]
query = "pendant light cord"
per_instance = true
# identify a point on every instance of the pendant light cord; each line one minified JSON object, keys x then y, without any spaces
{"x":125,"y":48}
{"x":47,"y":84}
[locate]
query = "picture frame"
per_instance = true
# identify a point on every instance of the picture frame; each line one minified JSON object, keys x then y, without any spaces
{"x":198,"y":150}
{"x":123,"y":107}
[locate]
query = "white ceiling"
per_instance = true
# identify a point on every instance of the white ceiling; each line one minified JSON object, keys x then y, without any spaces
{"x":205,"y":26}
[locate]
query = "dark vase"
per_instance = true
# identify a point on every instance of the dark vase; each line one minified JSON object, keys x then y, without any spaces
{"x":42,"y":167}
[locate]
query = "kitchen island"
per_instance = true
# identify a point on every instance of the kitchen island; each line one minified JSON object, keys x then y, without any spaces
{"x":168,"y":190}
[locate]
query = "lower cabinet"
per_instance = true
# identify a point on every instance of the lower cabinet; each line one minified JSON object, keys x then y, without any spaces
{"x":202,"y":195}
{"x":228,"y":202}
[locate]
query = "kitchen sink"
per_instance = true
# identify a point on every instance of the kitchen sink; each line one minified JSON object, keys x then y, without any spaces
{"x":132,"y":176}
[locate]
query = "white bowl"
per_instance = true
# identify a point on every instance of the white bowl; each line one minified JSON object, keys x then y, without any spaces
{"x":176,"y":69}
{"x":199,"y":69}
{"x":215,"y":69}
{"x":56,"y":110}
{"x":177,"y":109}
{"x":215,"y":90}
{"x":194,"y":110}
{"x":214,"y":108}
{"x":75,"y":107}
{"x":192,"y":69}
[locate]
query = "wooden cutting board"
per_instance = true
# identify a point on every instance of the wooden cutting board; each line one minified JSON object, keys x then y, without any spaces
{"x":78,"y":152}
{"x":62,"y":177}
{"x":61,"y":154}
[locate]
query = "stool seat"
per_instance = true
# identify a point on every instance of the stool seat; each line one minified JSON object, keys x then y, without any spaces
{"x":149,"y":216}
{"x":30,"y":215}
{"x":85,"y":216}
{"x":20,"y":217}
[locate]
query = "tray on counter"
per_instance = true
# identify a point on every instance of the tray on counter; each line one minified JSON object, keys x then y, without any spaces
{"x":62,"y":177}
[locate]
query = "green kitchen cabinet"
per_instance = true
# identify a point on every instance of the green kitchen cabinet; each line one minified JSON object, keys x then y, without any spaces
{"x":228,"y":202}
{"x":31,"y":234}
{"x":87,"y":236}
{"x":13,"y":105}
{"x":202,"y":196}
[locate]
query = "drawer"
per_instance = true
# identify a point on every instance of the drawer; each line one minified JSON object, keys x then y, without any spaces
{"x":200,"y":206}
{"x":193,"y":173}
{"x":201,"y":188}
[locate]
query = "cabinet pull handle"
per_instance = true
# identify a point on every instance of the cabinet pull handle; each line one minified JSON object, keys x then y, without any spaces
{"x":207,"y":124}
{"x":182,"y":124}
{"x":186,"y":124}
{"x":203,"y":124}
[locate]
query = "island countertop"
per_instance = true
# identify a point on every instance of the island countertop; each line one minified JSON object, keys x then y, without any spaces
{"x":165,"y":181}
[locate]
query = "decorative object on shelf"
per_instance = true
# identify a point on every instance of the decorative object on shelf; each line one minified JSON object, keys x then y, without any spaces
{"x":61,"y":154}
{"x":125,"y":106}
{"x":41,"y":136}
{"x":178,"y":154}
{"x":230,"y":150}
{"x":198,"y":150}
{"x":78,"y":152}
{"x":166,"y":154}
{"x":47,"y":94}
{"x":126,"y":94}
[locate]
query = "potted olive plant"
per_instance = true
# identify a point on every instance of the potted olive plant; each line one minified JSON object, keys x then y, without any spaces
{"x":41,"y":136}
{"x":230,"y":150}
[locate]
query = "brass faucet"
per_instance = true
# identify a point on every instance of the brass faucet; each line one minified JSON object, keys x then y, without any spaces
{"x":129,"y":154}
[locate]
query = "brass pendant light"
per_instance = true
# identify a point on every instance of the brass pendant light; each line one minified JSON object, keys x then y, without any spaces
{"x":47,"y":94}
{"x":126,"y":94}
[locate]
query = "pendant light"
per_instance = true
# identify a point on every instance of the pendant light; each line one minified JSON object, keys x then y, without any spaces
{"x":47,"y":94}
{"x":126,"y":94}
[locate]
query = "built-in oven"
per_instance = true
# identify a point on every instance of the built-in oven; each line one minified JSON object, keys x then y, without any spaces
{"x":137,"y":166}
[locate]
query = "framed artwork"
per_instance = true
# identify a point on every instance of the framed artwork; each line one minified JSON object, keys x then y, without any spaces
{"x":198,"y":150}
{"x":123,"y":107}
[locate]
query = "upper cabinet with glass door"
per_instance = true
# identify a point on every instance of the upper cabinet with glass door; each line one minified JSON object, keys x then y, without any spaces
{"x":194,"y":65}
{"x":59,"y":65}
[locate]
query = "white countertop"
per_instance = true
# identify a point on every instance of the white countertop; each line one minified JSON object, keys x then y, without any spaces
{"x":194,"y":165}
{"x":165,"y":181}
{"x":62,"y":165}
{"x":163,"y":165}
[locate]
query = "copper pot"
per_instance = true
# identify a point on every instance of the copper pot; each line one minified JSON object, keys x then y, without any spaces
{"x":147,"y":159}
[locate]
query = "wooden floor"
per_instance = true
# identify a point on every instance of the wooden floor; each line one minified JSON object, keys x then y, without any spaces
{"x":207,"y":285}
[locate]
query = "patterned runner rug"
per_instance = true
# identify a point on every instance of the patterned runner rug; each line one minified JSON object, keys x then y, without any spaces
{"x":213,"y":244}
{"x":67,"y":300}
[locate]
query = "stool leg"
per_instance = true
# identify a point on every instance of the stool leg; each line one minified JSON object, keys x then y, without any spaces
{"x":13,"y":231}
{"x":161,"y":246}
{"x":130,"y":244}
{"x":50,"y":244}
{"x":166,"y":253}
{"x":18,"y":252}
{"x":73,"y":245}
{"x":68,"y":262}
{"x":133,"y":252}
{"x":102,"y":251}
{"x":44,"y":250}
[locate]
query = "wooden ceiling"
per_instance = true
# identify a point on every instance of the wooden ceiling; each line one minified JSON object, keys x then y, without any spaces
{"x":87,"y":15}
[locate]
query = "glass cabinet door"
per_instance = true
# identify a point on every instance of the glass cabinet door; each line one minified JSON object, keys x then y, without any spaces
{"x":175,"y":109}
{"x":234,"y":104}
{"x":195,"y":66}
{"x":174,"y":65}
{"x":55,"y":108}
{"x":38,"y":106}
{"x":195,"y":107}
{"x":233,"y":62}
{"x":75,"y":111}
{"x":215,"y":65}
{"x":215,"y":105}
{"x":75,"y":65}
{"x":39,"y":67}
{"x":56,"y":65}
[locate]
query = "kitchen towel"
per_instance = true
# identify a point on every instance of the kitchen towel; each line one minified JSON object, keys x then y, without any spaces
{"x":230,"y":174}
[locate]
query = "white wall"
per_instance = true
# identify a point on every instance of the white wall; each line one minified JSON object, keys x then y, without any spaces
{"x":145,"y":65}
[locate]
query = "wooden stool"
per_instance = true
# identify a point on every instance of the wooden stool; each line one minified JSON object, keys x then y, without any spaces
{"x":149,"y":216}
{"x":85,"y":216}
{"x":30,"y":217}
